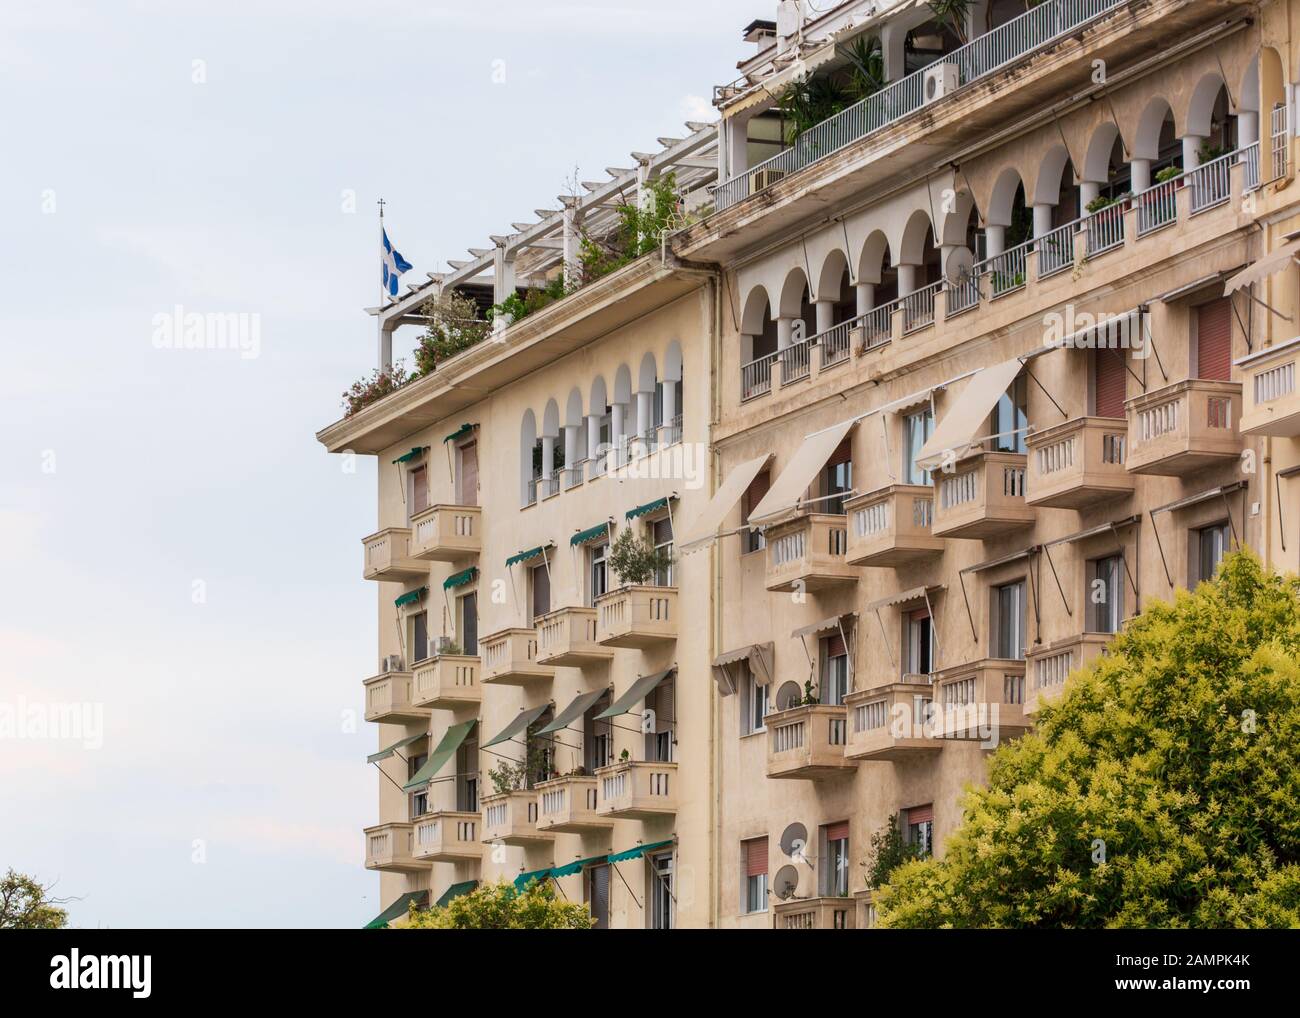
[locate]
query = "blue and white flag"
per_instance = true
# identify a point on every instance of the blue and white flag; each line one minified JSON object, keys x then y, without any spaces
{"x":394,"y":265}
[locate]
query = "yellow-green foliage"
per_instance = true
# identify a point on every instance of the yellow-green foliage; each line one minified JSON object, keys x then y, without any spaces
{"x":1179,"y":750}
{"x":500,"y":907}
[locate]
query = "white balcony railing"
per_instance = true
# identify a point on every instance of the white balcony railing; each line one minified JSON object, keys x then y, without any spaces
{"x":796,"y":361}
{"x":756,"y":377}
{"x":1211,"y":184}
{"x":1031,"y":31}
{"x":1056,"y":249}
{"x":1008,"y":271}
{"x":918,"y":308}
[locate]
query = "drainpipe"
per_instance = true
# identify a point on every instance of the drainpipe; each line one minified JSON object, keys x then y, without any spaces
{"x":715,"y":636}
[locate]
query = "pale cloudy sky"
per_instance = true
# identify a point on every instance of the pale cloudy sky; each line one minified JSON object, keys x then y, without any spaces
{"x":175,"y":547}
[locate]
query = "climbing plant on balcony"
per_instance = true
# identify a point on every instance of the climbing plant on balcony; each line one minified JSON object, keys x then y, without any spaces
{"x":520,"y":305}
{"x":1161,"y":789}
{"x":635,"y":559}
{"x":373,"y":388}
{"x":638,"y":231}
{"x":888,"y":851}
{"x":808,"y":101}
{"x":452,"y":324}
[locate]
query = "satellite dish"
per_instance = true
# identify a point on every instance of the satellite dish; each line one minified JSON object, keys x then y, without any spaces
{"x":786,"y":882}
{"x":789,"y":695}
{"x":794,"y":838}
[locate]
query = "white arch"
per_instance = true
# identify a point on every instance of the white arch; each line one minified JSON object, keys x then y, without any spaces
{"x":1003,"y":199}
{"x":1150,"y":126}
{"x":551,"y":420}
{"x":527,"y":440}
{"x":918,"y":230}
{"x":831,"y":277}
{"x":673,"y":362}
{"x":790,"y":304}
{"x":622,"y":385}
{"x":1200,"y":111}
{"x":1096,"y":164}
{"x":573,"y":409}
{"x":757,"y":313}
{"x":599,"y":399}
{"x":874,"y":254}
{"x":1047,"y":188}
{"x":647,"y":375}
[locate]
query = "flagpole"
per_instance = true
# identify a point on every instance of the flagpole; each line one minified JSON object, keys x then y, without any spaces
{"x":384,"y":362}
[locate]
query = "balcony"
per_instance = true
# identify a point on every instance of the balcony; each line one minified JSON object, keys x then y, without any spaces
{"x":814,"y":914}
{"x":447,"y":836}
{"x":637,"y":617}
{"x":637,"y":790}
{"x":568,"y":806}
{"x":510,"y":658}
{"x":892,"y":722}
{"x":981,"y":702}
{"x":1184,"y":427}
{"x":892,"y":527}
{"x":1049,"y":666}
{"x":447,"y":682}
{"x":389,"y":700}
{"x":808,"y":742}
{"x":1078,"y":464}
{"x":388,"y":557}
{"x":447,"y":533}
{"x":510,"y":818}
{"x":983,"y":498}
{"x":390,"y":847}
{"x":568,"y":637}
{"x":1272,"y":404}
{"x":807,"y":553}
{"x":866,"y":909}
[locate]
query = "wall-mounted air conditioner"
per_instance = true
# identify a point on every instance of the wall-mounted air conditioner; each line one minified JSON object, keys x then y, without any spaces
{"x":392,"y":663}
{"x":761,"y":179}
{"x":940,"y":80}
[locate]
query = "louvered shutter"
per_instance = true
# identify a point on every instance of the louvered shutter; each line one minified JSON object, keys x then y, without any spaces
{"x":1214,"y":340}
{"x":1109,"y":382}
{"x":921,"y":814}
{"x":837,"y":832}
{"x":756,"y":857}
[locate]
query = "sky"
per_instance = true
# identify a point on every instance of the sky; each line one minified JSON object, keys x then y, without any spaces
{"x":183,"y":624}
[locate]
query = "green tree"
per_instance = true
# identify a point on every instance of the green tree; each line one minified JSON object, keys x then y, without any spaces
{"x":499,"y":906}
{"x":26,"y":904}
{"x":1162,"y":790}
{"x":889,"y":850}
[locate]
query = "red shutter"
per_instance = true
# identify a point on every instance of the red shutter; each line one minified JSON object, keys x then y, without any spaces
{"x":755,"y":857}
{"x":837,"y":832}
{"x":921,"y":814}
{"x":757,"y":489}
{"x":419,"y":490}
{"x":835,"y":646}
{"x":1109,"y":382}
{"x":1214,"y":340}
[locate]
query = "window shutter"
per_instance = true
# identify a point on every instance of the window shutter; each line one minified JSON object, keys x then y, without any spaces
{"x":757,"y":489}
{"x":835,"y":646}
{"x":755,"y":857}
{"x":1110,"y":382}
{"x":921,"y":814}
{"x":1214,"y":340}
{"x":837,"y":832}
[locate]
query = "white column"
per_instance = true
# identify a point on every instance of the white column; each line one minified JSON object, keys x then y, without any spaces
{"x":644,"y":412}
{"x":503,"y":274}
{"x":737,"y":145}
{"x":784,"y":332}
{"x":571,"y":266}
{"x":907,"y":277}
{"x":995,"y":240}
{"x":616,"y":428}
{"x":1141,"y":175}
{"x":1192,"y":152}
{"x":571,"y":445}
{"x":825,"y":315}
{"x":1089,"y":191}
{"x":866,"y":297}
{"x":670,"y":401}
{"x":548,"y":458}
{"x":385,"y":348}
{"x":593,"y":437}
{"x":1043,"y":215}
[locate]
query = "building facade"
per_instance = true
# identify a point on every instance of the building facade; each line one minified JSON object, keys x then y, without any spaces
{"x":925,"y":397}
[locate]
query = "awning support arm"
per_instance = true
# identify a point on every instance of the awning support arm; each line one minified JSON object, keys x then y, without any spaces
{"x":961,"y":578}
{"x":1161,"y":546}
{"x":934,"y":631}
{"x":847,"y":651}
{"x":1123,"y":557}
{"x":1267,"y":307}
{"x":1038,"y":608}
{"x":1033,"y":378}
{"x":390,"y":780}
{"x":1151,"y":341}
{"x":1277,"y":482}
{"x":885,"y":637}
{"x":1064,"y":600}
{"x":1227,"y":507}
{"x":614,"y":867}
{"x":889,"y":459}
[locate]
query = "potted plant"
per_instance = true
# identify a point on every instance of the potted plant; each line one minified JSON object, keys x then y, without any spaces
{"x":636,"y":560}
{"x":624,"y":757}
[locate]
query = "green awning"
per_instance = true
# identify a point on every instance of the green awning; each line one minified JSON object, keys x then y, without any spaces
{"x":649,"y":507}
{"x":522,"y":880}
{"x":464,"y":429}
{"x":569,"y":869}
{"x":637,"y":691}
{"x":638,"y":852}
{"x":524,"y":556}
{"x":384,"y":754}
{"x":446,"y":749}
{"x":411,"y":598}
{"x":590,"y":534}
{"x":572,"y":712}
{"x":398,"y":909}
{"x":460,"y":579}
{"x":519,"y":725}
{"x":414,"y":454}
{"x":455,"y":891}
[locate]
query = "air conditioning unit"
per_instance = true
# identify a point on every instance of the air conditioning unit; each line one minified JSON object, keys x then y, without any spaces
{"x":764,"y":178}
{"x":393,"y":663}
{"x":440,"y":645}
{"x":940,"y":80}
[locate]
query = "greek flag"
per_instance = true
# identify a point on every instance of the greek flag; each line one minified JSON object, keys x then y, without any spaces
{"x":394,"y":265}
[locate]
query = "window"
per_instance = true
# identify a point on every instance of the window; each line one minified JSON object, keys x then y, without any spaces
{"x":419,"y":485}
{"x":597,"y":571}
{"x":753,"y":703}
{"x":1211,"y":544}
{"x":467,"y":617}
{"x":918,"y":643}
{"x":835,"y":860}
{"x":661,"y":532}
{"x":595,"y":881}
{"x":467,"y":776}
{"x":1008,"y":635}
{"x":1109,"y":383}
{"x":539,"y":581}
{"x":539,"y":750}
{"x":418,"y":801}
{"x":837,"y":480}
{"x":917,"y":429}
{"x":659,"y":721}
{"x":835,"y":669}
{"x":754,"y":858}
{"x":1011,"y":418}
{"x":597,"y":736}
{"x":1105,"y":594}
{"x":752,"y":540}
{"x":661,"y":891}
{"x":467,"y":474}
{"x":920,"y":829}
{"x":1214,"y":340}
{"x":419,"y":636}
